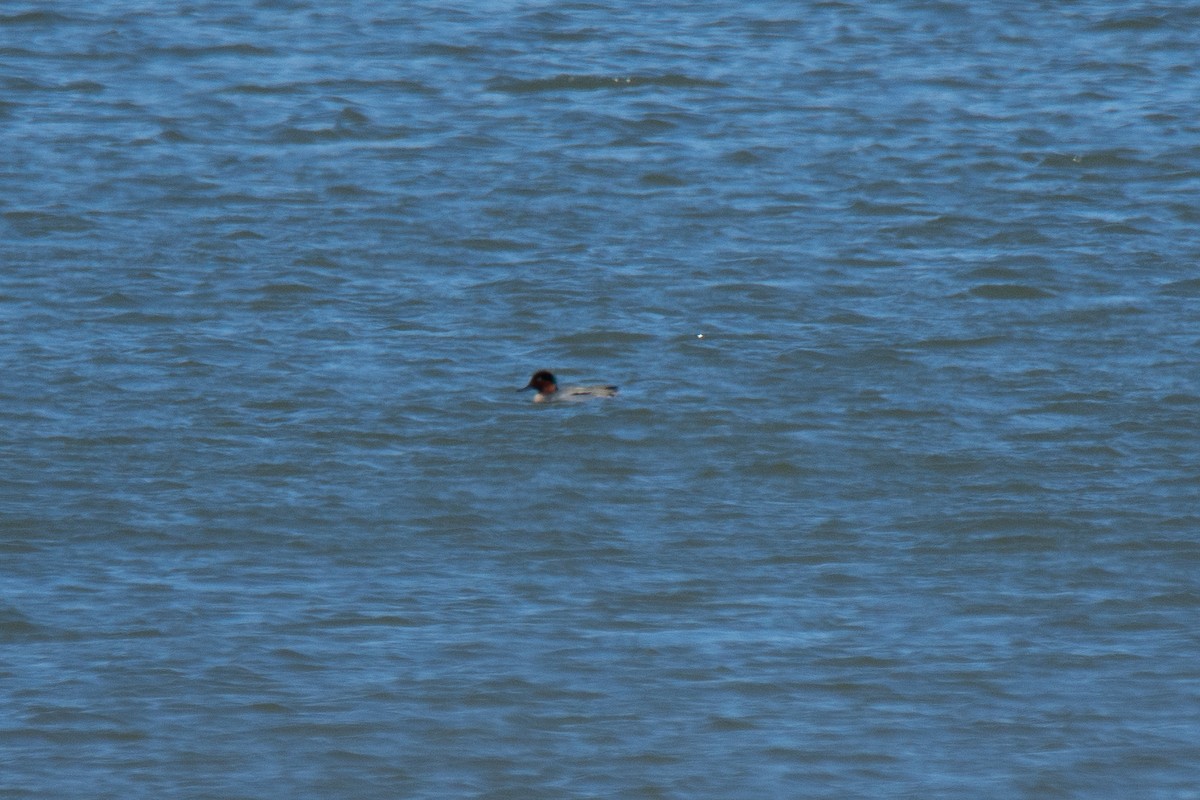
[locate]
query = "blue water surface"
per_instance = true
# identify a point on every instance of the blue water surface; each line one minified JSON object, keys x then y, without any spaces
{"x":898,"y":498}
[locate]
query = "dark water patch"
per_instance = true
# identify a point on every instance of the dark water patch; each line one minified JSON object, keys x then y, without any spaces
{"x":662,"y":179}
{"x":492,"y":245}
{"x":409,"y":326}
{"x":1180,"y":600}
{"x":264,"y":89}
{"x":746,"y":157}
{"x":251,"y":206}
{"x":1077,"y":407}
{"x":1062,"y":160}
{"x":939,"y":226}
{"x":91,"y":734}
{"x":735,"y":298}
{"x":459,"y":51}
{"x":139,"y":318}
{"x":287,"y":289}
{"x":15,"y":84}
{"x":1111,"y":158}
{"x":1138,"y":22}
{"x":367,"y":621}
{"x":806,"y":356}
{"x":243,"y":234}
{"x":866,"y":262}
{"x":1097,"y":315}
{"x":1180,"y":399}
{"x":1099,"y":454}
{"x":388,"y":85}
{"x":173,"y":136}
{"x":848,"y":318}
{"x":875,"y":356}
{"x":879,"y":209}
{"x":46,"y":223}
{"x":351,"y":191}
{"x":726,"y":724}
{"x":284,"y":405}
{"x":237,"y":49}
{"x":901,"y":413}
{"x":1009,"y":291}
{"x":352,"y":117}
{"x":604,"y":336}
{"x":83,"y":87}
{"x":39,"y":18}
{"x":1188,"y":287}
{"x":116,"y":300}
{"x":15,"y":625}
{"x":952,"y":343}
{"x":278,"y":469}
{"x":776,"y":469}
{"x":859,"y":662}
{"x":1184,"y":212}
{"x":293,"y":134}
{"x":952,"y":82}
{"x":1108,"y":228}
{"x":1023,"y":236}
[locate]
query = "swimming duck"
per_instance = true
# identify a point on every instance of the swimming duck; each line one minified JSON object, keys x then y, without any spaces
{"x":548,"y":389}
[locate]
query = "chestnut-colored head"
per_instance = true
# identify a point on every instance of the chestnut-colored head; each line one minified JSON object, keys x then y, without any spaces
{"x":543,"y":381}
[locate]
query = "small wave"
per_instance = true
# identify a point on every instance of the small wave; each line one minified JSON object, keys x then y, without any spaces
{"x":566,"y":82}
{"x":332,"y":84}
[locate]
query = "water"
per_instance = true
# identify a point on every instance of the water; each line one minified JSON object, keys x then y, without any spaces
{"x":899,"y":498}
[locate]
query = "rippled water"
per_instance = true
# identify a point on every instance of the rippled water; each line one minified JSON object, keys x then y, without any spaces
{"x":899,"y":498}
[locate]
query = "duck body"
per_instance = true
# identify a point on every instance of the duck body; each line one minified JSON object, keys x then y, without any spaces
{"x":548,"y":390}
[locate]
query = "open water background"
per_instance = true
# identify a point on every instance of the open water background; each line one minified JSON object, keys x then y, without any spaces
{"x":899,"y":499}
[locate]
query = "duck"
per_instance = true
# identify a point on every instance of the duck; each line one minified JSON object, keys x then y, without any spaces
{"x":548,"y":389}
